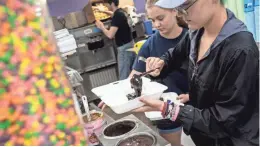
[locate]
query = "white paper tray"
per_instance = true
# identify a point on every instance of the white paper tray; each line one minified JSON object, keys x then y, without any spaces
{"x":114,"y":94}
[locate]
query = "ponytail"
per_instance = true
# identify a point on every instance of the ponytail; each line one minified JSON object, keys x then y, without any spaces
{"x":181,"y":22}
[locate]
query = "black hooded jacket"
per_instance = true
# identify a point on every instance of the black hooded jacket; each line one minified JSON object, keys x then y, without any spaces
{"x":224,"y":85}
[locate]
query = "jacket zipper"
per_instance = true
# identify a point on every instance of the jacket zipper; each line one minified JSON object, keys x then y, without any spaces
{"x":194,"y":72}
{"x":196,"y":67}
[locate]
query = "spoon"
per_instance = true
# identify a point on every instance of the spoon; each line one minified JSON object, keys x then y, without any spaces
{"x":137,"y":82}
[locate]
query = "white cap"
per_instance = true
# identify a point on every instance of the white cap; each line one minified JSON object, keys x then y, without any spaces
{"x":169,"y":4}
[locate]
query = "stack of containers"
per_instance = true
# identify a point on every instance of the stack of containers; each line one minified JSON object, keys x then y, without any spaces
{"x":65,"y":41}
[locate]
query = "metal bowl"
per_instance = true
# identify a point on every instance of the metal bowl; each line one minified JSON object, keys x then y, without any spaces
{"x":119,"y":129}
{"x":138,"y":139}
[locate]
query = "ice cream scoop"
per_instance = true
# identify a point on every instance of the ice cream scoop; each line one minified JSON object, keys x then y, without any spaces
{"x":136,"y":84}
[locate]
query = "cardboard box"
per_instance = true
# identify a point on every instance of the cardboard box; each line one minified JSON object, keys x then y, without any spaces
{"x":75,"y":20}
{"x":89,"y":11}
{"x":57,"y":24}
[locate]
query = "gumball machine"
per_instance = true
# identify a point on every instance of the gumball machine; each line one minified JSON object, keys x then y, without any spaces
{"x":36,"y":101}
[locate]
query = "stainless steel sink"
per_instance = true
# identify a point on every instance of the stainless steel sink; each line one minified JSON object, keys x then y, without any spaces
{"x":138,"y":139}
{"x":119,"y":129}
{"x":139,"y":128}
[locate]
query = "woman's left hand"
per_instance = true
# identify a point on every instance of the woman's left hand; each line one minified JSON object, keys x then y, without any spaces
{"x":150,"y":105}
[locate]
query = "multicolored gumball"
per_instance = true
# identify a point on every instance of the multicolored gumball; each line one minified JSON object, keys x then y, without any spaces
{"x":36,"y":105}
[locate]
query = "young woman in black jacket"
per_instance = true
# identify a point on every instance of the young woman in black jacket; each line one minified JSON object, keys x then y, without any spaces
{"x":223,"y":77}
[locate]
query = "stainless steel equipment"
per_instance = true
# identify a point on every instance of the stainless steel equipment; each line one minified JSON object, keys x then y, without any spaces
{"x":73,"y":61}
{"x":98,"y":78}
{"x":138,"y":139}
{"x":138,"y":129}
{"x":119,"y":129}
{"x":78,"y":91}
{"x":95,"y":58}
{"x":74,"y":77}
{"x":94,"y":49}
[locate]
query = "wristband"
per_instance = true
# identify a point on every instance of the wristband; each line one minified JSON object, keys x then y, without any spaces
{"x":176,"y":113}
{"x":165,"y":105}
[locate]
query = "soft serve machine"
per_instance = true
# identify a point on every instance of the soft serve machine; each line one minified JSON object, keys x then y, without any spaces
{"x":95,"y":56}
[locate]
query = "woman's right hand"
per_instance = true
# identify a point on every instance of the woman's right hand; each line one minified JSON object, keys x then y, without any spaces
{"x":154,"y":63}
{"x":183,"y":98}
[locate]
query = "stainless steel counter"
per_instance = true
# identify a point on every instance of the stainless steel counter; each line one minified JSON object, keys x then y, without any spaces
{"x":146,"y":125}
{"x":114,"y":116}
